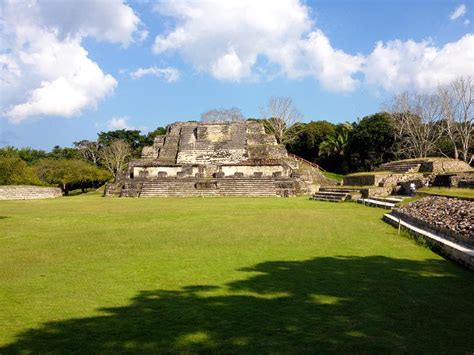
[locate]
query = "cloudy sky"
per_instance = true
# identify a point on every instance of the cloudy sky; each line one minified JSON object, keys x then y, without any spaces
{"x":70,"y":69}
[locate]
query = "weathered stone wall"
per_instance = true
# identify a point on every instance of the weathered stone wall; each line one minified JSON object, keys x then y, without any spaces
{"x":250,"y":170}
{"x":363,"y":180}
{"x":27,"y":192}
{"x":214,"y":143}
{"x":385,"y":180}
{"x":444,"y":165}
{"x":208,"y":170}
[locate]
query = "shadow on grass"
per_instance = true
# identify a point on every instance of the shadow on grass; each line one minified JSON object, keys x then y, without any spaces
{"x":348,"y":304}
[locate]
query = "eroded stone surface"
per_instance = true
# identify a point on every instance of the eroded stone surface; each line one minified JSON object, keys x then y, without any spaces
{"x":451,"y":216}
{"x":216,"y":159}
{"x":27,"y":192}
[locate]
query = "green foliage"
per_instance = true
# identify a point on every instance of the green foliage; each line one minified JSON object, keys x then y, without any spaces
{"x":15,"y":171}
{"x":371,"y":143}
{"x":31,"y":155}
{"x":336,"y":143}
{"x":131,"y":136}
{"x":65,"y":153}
{"x":308,"y":137}
{"x":70,"y":174}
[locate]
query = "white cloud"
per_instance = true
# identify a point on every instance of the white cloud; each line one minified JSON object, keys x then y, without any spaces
{"x":142,"y":35}
{"x":44,"y":68}
{"x":460,"y":11}
{"x":169,"y":74}
{"x":118,"y":123}
{"x":398,"y":65}
{"x":226,"y":38}
{"x":467,"y":22}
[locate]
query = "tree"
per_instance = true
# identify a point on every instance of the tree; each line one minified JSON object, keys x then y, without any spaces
{"x":30,"y":155}
{"x":64,"y":153}
{"x":89,"y":150}
{"x":457,"y":101}
{"x":232,"y":114}
{"x":133,"y":138}
{"x":15,"y":171}
{"x":279,"y":116}
{"x":70,"y":174}
{"x":335,"y":144}
{"x":416,"y":118}
{"x":371,"y":142}
{"x":115,"y":157}
{"x":308,"y":137}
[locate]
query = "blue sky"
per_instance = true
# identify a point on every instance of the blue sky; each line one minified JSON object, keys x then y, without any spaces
{"x":67,"y":73}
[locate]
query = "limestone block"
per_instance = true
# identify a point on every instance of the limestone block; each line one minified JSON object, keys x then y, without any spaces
{"x":28,"y":192}
{"x":149,"y":152}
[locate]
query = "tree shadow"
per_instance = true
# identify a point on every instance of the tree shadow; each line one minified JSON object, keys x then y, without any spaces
{"x":343,"y":304}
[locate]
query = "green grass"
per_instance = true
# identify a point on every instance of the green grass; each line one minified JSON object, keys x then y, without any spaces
{"x":334,"y":176}
{"x":89,"y":274}
{"x":448,"y":191}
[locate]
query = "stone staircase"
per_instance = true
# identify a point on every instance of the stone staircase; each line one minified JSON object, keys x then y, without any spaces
{"x":382,"y":202}
{"x":331,"y":196}
{"x":188,"y":187}
{"x":401,"y":167}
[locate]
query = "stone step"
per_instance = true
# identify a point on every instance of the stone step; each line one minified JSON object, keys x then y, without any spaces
{"x":330,"y":196}
{"x":375,"y":203}
{"x":258,"y":187}
{"x":326,"y":199}
{"x":332,"y":193}
{"x":400,"y":167}
{"x":389,"y":199}
{"x":335,"y":189}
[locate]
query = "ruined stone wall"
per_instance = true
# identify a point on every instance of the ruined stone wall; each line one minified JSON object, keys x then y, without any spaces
{"x":250,"y":170}
{"x":209,"y":171}
{"x":27,"y":192}
{"x":444,"y":165}
{"x":214,"y":143}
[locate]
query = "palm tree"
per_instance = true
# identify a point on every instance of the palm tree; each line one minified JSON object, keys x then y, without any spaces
{"x":336,"y":143}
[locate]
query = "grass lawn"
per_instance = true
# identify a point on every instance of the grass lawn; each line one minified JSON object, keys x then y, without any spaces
{"x":91,"y":274}
{"x":448,"y":191}
{"x":334,"y":176}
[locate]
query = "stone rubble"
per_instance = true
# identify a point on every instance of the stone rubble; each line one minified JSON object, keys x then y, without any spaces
{"x":452,"y":217}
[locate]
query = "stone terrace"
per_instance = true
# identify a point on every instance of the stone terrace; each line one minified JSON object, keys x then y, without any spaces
{"x":452,"y":217}
{"x":215,"y":159}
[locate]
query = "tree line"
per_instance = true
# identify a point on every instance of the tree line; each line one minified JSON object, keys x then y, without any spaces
{"x":88,"y":164}
{"x":412,"y":125}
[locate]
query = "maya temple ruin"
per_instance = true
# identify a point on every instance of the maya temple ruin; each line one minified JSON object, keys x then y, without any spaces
{"x":217,"y":159}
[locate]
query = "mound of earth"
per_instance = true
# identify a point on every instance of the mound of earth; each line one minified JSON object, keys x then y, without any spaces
{"x":452,"y":217}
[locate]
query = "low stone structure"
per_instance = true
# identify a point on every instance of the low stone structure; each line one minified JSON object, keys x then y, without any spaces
{"x":463,"y":180}
{"x":216,"y":159}
{"x":396,"y":177}
{"x":450,"y":217}
{"x":446,"y":224}
{"x":425,"y":165}
{"x":28,"y":192}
